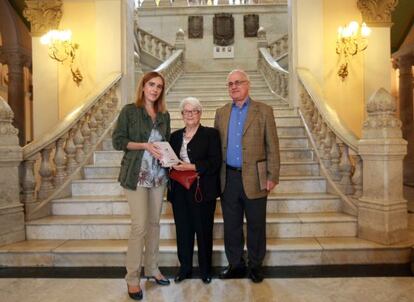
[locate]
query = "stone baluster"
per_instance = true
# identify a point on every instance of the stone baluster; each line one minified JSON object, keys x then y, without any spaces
{"x":327,"y":144}
{"x":335,"y":158}
{"x":322,"y":135}
{"x":345,"y":169}
{"x":45,"y":172}
{"x":60,"y":162}
{"x":99,"y":120}
{"x":150,"y":44}
{"x":28,"y":180}
{"x":105,"y":111}
{"x":70,"y":150}
{"x":314,"y":120}
{"x":78,"y":140}
{"x":317,"y":130}
{"x":93,"y":125}
{"x":357,"y":176}
{"x":163,"y":51}
{"x":142,"y":41}
{"x":86,"y":133}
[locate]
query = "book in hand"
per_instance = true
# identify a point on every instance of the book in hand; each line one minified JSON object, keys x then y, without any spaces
{"x":168,"y":156}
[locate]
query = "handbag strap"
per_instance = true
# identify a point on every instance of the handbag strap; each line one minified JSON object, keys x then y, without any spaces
{"x":198,"y":196}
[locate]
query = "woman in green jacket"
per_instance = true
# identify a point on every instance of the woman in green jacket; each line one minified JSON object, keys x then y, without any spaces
{"x":139,"y":125}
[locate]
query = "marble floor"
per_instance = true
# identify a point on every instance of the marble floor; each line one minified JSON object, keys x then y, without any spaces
{"x":398,"y":289}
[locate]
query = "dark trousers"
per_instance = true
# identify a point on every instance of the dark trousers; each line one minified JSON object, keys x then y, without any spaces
{"x":192,"y":218}
{"x":235,"y":205}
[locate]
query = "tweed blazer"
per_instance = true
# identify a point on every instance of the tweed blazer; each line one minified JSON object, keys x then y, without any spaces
{"x":259,"y":143}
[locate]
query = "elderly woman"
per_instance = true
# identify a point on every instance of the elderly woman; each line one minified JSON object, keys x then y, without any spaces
{"x":139,"y":125}
{"x":198,"y":147}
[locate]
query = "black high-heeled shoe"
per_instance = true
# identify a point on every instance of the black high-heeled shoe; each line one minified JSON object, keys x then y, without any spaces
{"x":164,"y":281}
{"x":136,"y":296}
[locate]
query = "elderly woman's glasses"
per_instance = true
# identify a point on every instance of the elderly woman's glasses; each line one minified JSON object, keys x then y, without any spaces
{"x":190,"y":112}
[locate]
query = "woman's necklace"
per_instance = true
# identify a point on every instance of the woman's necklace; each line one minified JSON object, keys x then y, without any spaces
{"x":189,"y":135}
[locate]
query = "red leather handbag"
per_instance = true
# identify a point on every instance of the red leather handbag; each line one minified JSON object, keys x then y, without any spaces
{"x":186,"y":179}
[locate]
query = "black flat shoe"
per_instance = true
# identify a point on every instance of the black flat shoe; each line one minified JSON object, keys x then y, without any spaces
{"x":136,"y":296}
{"x":164,"y":281}
{"x":180,"y":277}
{"x":231,"y":272}
{"x":206,"y":280}
{"x":256,"y":275}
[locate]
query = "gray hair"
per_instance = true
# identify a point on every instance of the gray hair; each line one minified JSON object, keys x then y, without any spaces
{"x":239,"y":71}
{"x":191,"y":101}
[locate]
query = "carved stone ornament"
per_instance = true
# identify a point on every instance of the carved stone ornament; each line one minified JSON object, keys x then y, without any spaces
{"x":223,"y":29}
{"x":251,"y":25}
{"x":6,"y":119}
{"x":381,"y":109}
{"x":43,"y":15}
{"x":195,"y":27}
{"x":377,"y":12}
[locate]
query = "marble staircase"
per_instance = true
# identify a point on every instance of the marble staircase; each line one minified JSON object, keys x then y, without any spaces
{"x":305,"y":224}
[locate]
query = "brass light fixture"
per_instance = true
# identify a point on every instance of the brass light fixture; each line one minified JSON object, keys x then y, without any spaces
{"x":62,"y":49}
{"x":351,"y":40}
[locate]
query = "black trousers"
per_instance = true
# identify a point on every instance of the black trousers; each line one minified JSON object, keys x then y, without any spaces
{"x":193,"y":218}
{"x":235,"y":205}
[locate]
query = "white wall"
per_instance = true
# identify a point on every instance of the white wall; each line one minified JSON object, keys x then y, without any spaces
{"x":164,"y":23}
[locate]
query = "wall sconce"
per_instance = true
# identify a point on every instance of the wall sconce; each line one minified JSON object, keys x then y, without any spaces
{"x":63,"y":50}
{"x":351,"y":40}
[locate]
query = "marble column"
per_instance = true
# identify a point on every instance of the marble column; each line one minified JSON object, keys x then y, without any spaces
{"x":405,"y":63}
{"x":11,"y":154}
{"x":15,"y":63}
{"x":382,"y":210}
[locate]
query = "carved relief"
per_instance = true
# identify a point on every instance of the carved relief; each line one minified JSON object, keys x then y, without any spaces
{"x":377,"y":12}
{"x":381,"y":110}
{"x":251,"y":25}
{"x":223,"y":29}
{"x":195,"y":27}
{"x":43,"y":15}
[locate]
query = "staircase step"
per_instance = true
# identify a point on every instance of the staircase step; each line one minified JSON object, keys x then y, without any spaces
{"x":280,"y":252}
{"x":117,"y":205}
{"x":279,"y":225}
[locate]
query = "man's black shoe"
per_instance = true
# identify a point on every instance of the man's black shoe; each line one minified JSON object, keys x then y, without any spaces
{"x":233,"y":272}
{"x":256,"y":275}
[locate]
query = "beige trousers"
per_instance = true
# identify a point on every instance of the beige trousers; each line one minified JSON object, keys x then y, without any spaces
{"x":145,"y":208}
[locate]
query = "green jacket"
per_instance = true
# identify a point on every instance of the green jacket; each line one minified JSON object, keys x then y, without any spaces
{"x":135,"y":125}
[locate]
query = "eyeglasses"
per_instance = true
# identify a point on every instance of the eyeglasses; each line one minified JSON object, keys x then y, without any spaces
{"x":190,"y":112}
{"x":235,"y":83}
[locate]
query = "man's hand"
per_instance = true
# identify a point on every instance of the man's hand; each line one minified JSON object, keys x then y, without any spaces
{"x":270,"y":185}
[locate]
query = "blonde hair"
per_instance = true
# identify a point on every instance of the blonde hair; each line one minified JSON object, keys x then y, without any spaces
{"x":159,"y":105}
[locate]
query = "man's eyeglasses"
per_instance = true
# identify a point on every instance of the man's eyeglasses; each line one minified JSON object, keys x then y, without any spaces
{"x":190,"y":112}
{"x":235,"y":83}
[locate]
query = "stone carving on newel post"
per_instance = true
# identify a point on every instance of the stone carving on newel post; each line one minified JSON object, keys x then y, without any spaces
{"x":43,"y":15}
{"x":11,"y":155}
{"x":382,"y":209}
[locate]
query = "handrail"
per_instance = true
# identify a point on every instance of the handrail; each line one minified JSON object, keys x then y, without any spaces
{"x":172,"y":68}
{"x":72,"y":118}
{"x":152,"y":45}
{"x":276,"y":77}
{"x":332,"y":142}
{"x":52,"y":162}
{"x":329,"y":115}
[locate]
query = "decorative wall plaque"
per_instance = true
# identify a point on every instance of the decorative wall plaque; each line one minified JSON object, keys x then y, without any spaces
{"x":195,"y":27}
{"x":223,"y":29}
{"x":251,"y":25}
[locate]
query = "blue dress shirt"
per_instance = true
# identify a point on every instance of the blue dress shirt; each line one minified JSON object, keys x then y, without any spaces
{"x":238,"y":116}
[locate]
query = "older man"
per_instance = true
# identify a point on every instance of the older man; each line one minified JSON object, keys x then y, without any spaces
{"x":250,"y":150}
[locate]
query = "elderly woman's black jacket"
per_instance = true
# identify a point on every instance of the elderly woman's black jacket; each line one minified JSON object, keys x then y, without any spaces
{"x":204,"y":150}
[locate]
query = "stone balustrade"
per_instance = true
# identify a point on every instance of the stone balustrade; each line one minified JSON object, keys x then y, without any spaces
{"x":334,"y":144}
{"x":276,"y":77}
{"x":152,"y":45}
{"x":279,"y":47}
{"x":52,"y":162}
{"x":185,"y":3}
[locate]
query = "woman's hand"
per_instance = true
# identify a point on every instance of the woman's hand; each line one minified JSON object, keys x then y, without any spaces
{"x":153,"y":150}
{"x":183,"y":166}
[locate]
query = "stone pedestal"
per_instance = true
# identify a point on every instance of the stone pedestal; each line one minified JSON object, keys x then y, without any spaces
{"x":11,"y":210}
{"x":382,"y":210}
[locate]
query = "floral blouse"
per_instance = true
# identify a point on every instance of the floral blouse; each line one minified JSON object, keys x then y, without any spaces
{"x":151,"y":173}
